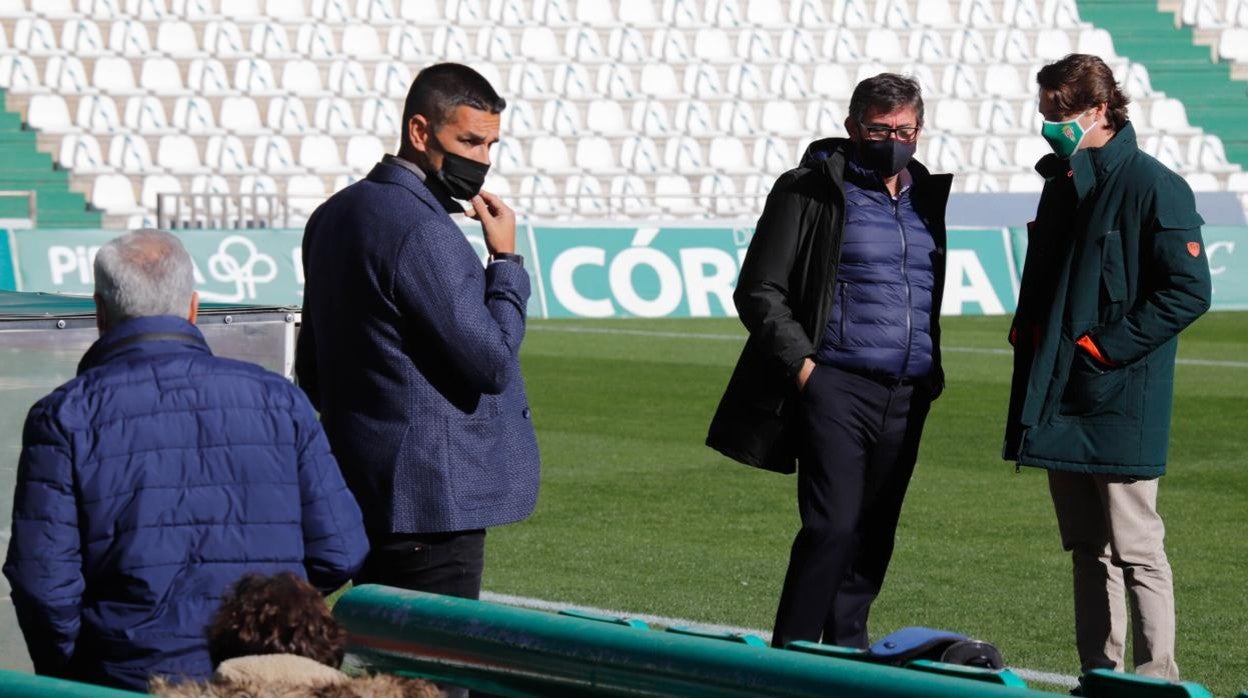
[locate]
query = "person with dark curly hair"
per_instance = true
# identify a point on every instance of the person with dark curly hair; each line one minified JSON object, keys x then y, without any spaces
{"x":275,"y":636}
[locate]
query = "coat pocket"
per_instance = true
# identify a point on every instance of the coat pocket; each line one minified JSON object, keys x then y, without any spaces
{"x":1113,"y":273}
{"x":1094,"y":392}
{"x":474,"y":463}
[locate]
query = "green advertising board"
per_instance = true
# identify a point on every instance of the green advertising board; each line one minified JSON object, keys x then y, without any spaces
{"x":577,"y":270}
{"x":669,"y":271}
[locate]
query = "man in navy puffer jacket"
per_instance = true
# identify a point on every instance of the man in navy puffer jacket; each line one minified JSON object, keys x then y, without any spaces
{"x":157,"y":477}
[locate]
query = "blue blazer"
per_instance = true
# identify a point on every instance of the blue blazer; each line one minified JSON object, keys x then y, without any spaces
{"x":410,"y":349}
{"x":150,"y":483}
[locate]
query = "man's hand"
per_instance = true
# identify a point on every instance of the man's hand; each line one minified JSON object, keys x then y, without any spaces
{"x":498,"y":222}
{"x":803,"y":374}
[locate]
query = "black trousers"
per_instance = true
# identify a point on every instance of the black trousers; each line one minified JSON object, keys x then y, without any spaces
{"x":861,"y":440}
{"x":439,"y":563}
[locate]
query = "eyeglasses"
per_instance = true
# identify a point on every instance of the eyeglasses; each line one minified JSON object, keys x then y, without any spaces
{"x":905,"y":134}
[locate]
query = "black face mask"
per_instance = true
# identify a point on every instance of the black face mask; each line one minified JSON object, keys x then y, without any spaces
{"x":460,"y":176}
{"x":887,"y":157}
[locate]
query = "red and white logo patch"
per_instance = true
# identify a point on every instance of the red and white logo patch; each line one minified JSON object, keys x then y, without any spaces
{"x":1193,"y":248}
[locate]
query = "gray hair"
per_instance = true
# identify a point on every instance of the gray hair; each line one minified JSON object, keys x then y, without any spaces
{"x":144,"y":272}
{"x":887,"y":92}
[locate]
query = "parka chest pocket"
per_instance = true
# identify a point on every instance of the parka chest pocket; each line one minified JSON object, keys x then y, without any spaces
{"x":1113,"y":269}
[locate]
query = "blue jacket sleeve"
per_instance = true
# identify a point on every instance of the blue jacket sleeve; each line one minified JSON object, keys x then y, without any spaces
{"x":334,"y":541}
{"x":476,"y":316}
{"x":44,"y":563}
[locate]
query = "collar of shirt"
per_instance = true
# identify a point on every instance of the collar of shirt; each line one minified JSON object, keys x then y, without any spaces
{"x":400,"y":162}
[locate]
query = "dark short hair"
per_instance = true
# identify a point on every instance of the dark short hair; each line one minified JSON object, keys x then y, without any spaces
{"x":439,"y":89}
{"x":281,"y":614}
{"x":1079,"y":82}
{"x":888,"y":92}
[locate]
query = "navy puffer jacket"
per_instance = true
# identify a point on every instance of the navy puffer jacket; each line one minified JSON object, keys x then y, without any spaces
{"x":882,"y":310}
{"x":147,"y":485}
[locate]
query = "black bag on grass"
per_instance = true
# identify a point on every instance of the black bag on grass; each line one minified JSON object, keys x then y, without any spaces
{"x":938,"y":645}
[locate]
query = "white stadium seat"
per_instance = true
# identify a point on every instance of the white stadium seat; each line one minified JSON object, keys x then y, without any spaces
{"x":270,"y":40}
{"x":82,"y":37}
{"x":594,"y":154}
{"x":549,"y":155}
{"x":178,"y":153}
{"x":561,"y":118}
{"x":650,"y":118}
{"x":176,"y":38}
{"x":406,"y":43}
{"x":606,"y":117}
{"x":193,"y":115}
{"x":694,"y":117}
{"x":334,"y":115}
{"x":381,"y":117}
{"x":727,"y":154}
{"x":363,"y":152}
{"x":64,"y":74}
{"x":114,"y":193}
{"x":130,"y":154}
{"x":673,"y":194}
{"x":319,"y":153}
{"x":156,"y":184}
{"x":207,"y":76}
{"x":348,"y":78}
{"x":113,"y":74}
{"x":98,"y":113}
{"x":34,"y":35}
{"x":81,"y":153}
{"x":145,"y":114}
{"x":683,"y":154}
{"x":49,"y":113}
{"x":272,"y":154}
{"x":225,"y":154}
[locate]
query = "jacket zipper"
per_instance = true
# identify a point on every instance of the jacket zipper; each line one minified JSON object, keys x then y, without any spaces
{"x":905,"y":277}
{"x":841,"y":288}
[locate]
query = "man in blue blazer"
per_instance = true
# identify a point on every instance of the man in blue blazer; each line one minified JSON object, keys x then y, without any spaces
{"x":410,"y":349}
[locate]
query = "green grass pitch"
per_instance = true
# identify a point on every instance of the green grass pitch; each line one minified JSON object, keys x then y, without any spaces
{"x":637,"y":514}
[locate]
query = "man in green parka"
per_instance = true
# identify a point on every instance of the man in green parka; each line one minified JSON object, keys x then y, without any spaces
{"x":1115,"y":269}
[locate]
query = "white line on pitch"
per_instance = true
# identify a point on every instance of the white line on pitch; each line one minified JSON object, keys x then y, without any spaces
{"x":555,"y":606}
{"x":574,"y":329}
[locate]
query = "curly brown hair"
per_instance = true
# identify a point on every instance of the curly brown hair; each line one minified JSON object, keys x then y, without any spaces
{"x":279,"y":614}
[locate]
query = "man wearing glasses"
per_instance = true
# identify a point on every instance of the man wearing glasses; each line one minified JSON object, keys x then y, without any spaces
{"x":840,"y":291}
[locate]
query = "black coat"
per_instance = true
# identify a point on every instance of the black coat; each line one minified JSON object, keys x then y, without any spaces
{"x":784,"y":297}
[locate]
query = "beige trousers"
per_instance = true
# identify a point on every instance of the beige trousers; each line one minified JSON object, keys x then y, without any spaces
{"x":1111,"y":527}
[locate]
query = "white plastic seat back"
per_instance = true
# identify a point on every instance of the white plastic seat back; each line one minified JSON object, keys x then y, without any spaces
{"x":694,"y":117}
{"x":178,"y":153}
{"x":207,"y":76}
{"x":81,"y":37}
{"x":727,"y":154}
{"x":334,"y":115}
{"x":193,"y":115}
{"x":406,"y":43}
{"x":225,"y":154}
{"x":241,"y":115}
{"x":145,"y":114}
{"x":113,"y":192}
{"x":49,"y":113}
{"x":594,"y":154}
{"x":319,"y":152}
{"x":113,"y":74}
{"x":561,"y":117}
{"x":683,"y":154}
{"x":64,"y":74}
{"x":81,"y":153}
{"x":363,"y":152}
{"x":160,"y":75}
{"x":98,"y":113}
{"x":129,"y":153}
{"x":380,"y":117}
{"x":269,"y":39}
{"x":301,"y":77}
{"x":361,"y":41}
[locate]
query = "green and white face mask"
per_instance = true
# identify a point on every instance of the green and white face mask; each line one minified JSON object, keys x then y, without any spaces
{"x":1064,"y":137}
